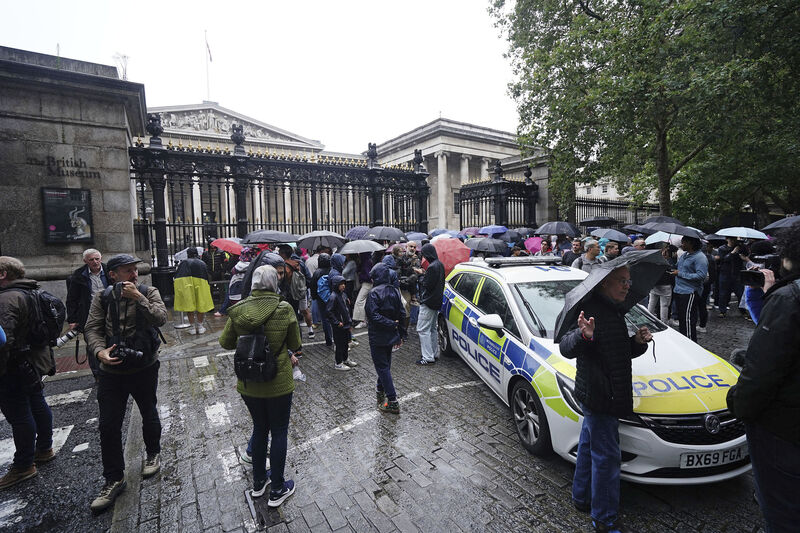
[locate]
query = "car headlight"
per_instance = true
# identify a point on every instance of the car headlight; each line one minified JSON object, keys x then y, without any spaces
{"x":567,"y":387}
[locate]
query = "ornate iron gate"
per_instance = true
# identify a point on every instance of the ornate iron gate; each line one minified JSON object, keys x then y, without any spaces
{"x":501,"y":202}
{"x":186,"y":195}
{"x":625,"y":212}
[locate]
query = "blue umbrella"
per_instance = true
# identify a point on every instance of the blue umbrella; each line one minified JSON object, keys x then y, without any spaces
{"x":439,"y":231}
{"x":356,"y":232}
{"x":492,"y":230}
{"x":416,"y":236}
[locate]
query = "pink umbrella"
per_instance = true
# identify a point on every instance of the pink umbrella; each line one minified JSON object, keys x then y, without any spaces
{"x":533,"y":244}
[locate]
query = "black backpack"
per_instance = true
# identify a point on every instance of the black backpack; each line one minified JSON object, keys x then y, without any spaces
{"x":254,"y":360}
{"x":47,"y":317}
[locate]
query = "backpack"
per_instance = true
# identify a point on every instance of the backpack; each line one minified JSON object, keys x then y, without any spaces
{"x":324,"y":288}
{"x":254,"y":360}
{"x":297,"y":281}
{"x":48,"y":315}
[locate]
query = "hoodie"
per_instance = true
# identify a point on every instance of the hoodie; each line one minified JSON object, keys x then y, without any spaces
{"x":235,"y":285}
{"x":280,"y":327}
{"x":337,"y":310}
{"x":432,"y":290}
{"x":264,"y":258}
{"x":385,"y":313}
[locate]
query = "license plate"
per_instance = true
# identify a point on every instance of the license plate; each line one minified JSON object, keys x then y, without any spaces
{"x":716,"y":458}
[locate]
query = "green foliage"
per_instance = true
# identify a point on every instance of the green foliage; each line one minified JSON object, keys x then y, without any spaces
{"x":657,"y":95}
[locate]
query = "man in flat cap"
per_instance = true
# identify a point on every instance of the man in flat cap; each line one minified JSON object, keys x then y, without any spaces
{"x":121,"y":332}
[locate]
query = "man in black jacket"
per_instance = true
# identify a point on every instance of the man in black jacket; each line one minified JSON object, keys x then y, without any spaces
{"x":81,"y":288}
{"x":767,"y":396}
{"x":431,"y":295}
{"x":603,"y":388}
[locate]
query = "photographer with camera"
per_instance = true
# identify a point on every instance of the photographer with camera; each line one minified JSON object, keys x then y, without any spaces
{"x":767,"y":396}
{"x":122,"y":333}
{"x":82,"y":285}
{"x":22,"y":363}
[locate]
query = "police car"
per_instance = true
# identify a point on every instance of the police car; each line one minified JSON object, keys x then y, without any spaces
{"x":499,"y":316}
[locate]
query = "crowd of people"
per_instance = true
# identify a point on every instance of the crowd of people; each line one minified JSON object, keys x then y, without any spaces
{"x":272,"y":292}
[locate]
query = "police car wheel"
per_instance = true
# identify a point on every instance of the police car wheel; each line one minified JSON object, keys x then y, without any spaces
{"x":443,"y":335}
{"x":529,"y":419}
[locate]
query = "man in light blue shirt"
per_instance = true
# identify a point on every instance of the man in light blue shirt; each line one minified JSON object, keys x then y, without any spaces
{"x":689,"y":277}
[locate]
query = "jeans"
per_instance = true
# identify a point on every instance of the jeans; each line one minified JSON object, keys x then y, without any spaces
{"x":382,"y":359}
{"x":270,"y":418}
{"x":426,"y":327}
{"x":341,"y":336}
{"x":597,"y":467}
{"x":414,"y":314}
{"x":728,"y":284}
{"x":112,"y":396}
{"x":687,"y":307}
{"x":359,"y":309}
{"x":660,"y":298}
{"x":29,"y":416}
{"x":776,"y":469}
{"x":326,"y":326}
{"x":316,"y":315}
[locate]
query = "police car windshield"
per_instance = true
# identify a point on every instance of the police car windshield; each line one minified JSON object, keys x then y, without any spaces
{"x":546,"y":299}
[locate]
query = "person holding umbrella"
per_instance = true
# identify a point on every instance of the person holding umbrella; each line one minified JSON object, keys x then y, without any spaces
{"x":689,"y":278}
{"x":603,"y":350}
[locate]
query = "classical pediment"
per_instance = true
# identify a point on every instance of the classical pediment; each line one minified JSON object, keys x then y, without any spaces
{"x":211,"y":121}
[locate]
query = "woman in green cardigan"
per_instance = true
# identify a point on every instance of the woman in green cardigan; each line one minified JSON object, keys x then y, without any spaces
{"x":269,"y":402}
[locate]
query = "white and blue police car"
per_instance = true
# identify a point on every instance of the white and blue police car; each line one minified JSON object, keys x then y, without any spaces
{"x":499,"y":316}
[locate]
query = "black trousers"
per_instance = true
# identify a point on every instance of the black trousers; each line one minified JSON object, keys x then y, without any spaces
{"x":688,"y":311}
{"x":341,"y":337}
{"x":112,"y":396}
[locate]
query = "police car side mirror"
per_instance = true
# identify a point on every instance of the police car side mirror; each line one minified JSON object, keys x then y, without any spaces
{"x":493,"y":322}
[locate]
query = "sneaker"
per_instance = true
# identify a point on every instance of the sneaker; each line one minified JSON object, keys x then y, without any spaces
{"x":616,"y":527}
{"x":582,"y":507}
{"x":722,"y":315}
{"x":341,"y":366}
{"x":350,"y":363}
{"x":152,"y":464}
{"x":200,"y":329}
{"x":352,"y":343}
{"x":43,"y":456}
{"x":17,"y":475}
{"x":217,"y":314}
{"x":260,"y":488}
{"x":674,"y":323}
{"x":311,"y":333}
{"x":381,"y":397}
{"x":390,"y":407}
{"x":422,"y":362}
{"x":701,"y":329}
{"x":277,"y":497}
{"x":190,"y":330}
{"x":107,"y":495}
{"x":245,"y":457}
{"x":360,"y":325}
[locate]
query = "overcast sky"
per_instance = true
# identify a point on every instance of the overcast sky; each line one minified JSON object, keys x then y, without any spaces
{"x":343,"y":72}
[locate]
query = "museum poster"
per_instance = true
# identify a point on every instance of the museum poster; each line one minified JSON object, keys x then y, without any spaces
{"x":67,"y":215}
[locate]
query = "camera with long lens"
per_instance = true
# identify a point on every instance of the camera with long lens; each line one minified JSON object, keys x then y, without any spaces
{"x":66,"y":337}
{"x":755,"y":278}
{"x":129,"y":355}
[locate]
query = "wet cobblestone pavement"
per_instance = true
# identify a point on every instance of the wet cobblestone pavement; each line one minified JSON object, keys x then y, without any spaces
{"x":450,"y":461}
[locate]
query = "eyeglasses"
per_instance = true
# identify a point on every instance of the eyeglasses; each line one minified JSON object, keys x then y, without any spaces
{"x":626,"y":282}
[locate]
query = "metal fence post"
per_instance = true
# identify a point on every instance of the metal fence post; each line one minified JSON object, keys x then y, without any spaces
{"x":161,"y":272}
{"x":498,"y":192}
{"x":421,"y":174}
{"x":375,"y":188}
{"x":531,"y":198}
{"x":240,"y":179}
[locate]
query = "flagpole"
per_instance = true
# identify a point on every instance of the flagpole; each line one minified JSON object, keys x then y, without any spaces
{"x":208,"y":83}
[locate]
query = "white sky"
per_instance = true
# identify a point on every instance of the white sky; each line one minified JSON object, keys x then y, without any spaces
{"x":343,"y":72}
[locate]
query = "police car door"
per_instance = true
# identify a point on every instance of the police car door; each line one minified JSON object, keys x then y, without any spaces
{"x":489,"y":346}
{"x":461,"y":309}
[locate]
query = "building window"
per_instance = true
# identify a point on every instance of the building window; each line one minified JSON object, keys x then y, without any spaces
{"x":605,"y":189}
{"x":588,"y":190}
{"x":457,"y":203}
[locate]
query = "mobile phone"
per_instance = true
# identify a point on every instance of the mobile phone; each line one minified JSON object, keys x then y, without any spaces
{"x":753,"y":278}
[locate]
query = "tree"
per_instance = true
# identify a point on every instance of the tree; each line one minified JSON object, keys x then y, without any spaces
{"x":637,"y":91}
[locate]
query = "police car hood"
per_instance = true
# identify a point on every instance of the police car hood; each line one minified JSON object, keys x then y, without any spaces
{"x":684,"y":378}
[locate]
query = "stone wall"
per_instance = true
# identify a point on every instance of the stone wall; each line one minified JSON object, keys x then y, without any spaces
{"x":68,"y":124}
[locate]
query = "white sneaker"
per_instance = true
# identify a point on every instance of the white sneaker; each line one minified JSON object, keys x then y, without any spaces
{"x":190,"y":330}
{"x":311,"y":333}
{"x":701,"y":330}
{"x":674,"y":323}
{"x":200,"y":329}
{"x":352,"y":344}
{"x":360,"y":325}
{"x":341,"y":366}
{"x":351,"y":363}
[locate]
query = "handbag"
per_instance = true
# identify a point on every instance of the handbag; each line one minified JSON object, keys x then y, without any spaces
{"x":254,"y":360}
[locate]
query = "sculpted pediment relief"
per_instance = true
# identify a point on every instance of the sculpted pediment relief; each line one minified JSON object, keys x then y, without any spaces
{"x":215,"y":122}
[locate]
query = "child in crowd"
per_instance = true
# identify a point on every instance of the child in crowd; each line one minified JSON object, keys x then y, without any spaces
{"x":338,"y":313}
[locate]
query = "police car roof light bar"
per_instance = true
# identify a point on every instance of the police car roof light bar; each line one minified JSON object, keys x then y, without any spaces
{"x":497,"y":262}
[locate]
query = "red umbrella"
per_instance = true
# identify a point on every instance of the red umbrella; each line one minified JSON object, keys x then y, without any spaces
{"x":227,"y":245}
{"x":451,"y":252}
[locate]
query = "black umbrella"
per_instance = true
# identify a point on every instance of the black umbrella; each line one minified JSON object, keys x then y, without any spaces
{"x":315,"y":239}
{"x":268,"y":235}
{"x":600,"y":221}
{"x":558,"y":228}
{"x":509,"y":236}
{"x":385,"y":233}
{"x":673,"y":228}
{"x":487,"y":244}
{"x":360,"y":246}
{"x":787,"y":222}
{"x":356,"y":232}
{"x":610,"y":234}
{"x":663,"y":218}
{"x":646,"y":267}
{"x":713,"y":237}
{"x":638,"y":228}
{"x":525,"y":232}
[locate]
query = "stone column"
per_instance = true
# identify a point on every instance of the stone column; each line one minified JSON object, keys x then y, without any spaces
{"x":465,"y":169}
{"x":441,"y":189}
{"x":484,"y":168}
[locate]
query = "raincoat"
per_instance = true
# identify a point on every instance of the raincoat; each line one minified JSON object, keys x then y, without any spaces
{"x":192,"y":291}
